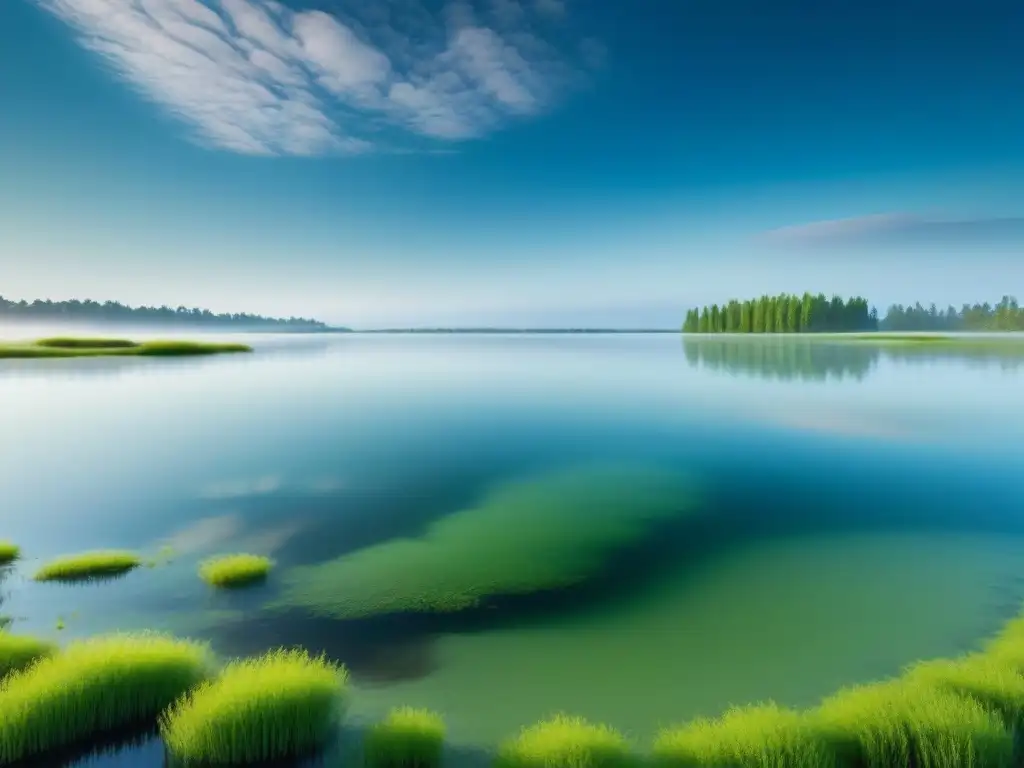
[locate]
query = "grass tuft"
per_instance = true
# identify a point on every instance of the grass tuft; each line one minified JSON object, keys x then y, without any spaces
{"x":565,"y":742}
{"x":92,"y":687}
{"x":68,"y":342}
{"x":406,"y":738}
{"x":88,"y":565}
{"x":18,"y":652}
{"x":910,"y":723}
{"x":235,"y":570}
{"x":989,"y":681}
{"x":762,"y":736}
{"x":73,"y":347}
{"x":9,"y":552}
{"x":282,"y":704}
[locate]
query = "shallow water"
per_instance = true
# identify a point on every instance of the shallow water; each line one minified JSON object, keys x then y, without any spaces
{"x":841,"y":512}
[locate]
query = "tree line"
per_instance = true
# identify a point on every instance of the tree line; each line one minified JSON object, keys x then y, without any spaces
{"x":785,"y":313}
{"x":1006,"y":315}
{"x":88,"y":310}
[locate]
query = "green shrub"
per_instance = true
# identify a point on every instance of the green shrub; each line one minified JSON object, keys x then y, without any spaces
{"x":20,"y":651}
{"x":8,"y":552}
{"x":907,"y":723}
{"x":406,"y":738}
{"x":88,"y":565}
{"x":565,"y":742}
{"x":235,"y":570}
{"x":94,"y":686}
{"x":278,"y":705}
{"x":762,"y":736}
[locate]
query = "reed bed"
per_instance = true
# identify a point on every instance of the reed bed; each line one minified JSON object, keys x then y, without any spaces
{"x":18,"y":652}
{"x":9,"y":552}
{"x":911,"y":723}
{"x":282,"y":704}
{"x":762,"y":736}
{"x":88,"y":565}
{"x":235,"y":570}
{"x":95,"y":686}
{"x":565,"y":742}
{"x":998,"y":687}
{"x":72,"y":347}
{"x":406,"y":738}
{"x":71,"y":342}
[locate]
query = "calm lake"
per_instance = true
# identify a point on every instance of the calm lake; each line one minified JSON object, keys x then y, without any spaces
{"x":722,"y":520}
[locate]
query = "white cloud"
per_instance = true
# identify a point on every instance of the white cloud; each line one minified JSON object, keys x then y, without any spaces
{"x":254,"y":77}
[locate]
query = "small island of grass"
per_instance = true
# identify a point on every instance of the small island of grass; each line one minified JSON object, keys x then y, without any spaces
{"x":9,"y":552}
{"x":406,"y":738}
{"x":230,"y":571}
{"x":565,"y":742}
{"x":100,"y":347}
{"x":88,"y":565}
{"x":18,"y":652}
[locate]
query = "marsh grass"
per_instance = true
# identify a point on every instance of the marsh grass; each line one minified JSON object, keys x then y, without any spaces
{"x":88,"y":566}
{"x":565,"y":742}
{"x":70,"y":347}
{"x":406,"y":738}
{"x":18,"y":652}
{"x":94,"y":686}
{"x":1007,"y":647}
{"x":235,"y":570}
{"x":761,"y":736}
{"x":911,"y":723}
{"x":9,"y":552}
{"x":282,"y":704}
{"x":995,"y":685}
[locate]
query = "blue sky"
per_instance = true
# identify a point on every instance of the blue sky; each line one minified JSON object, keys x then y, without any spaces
{"x":526,"y":162}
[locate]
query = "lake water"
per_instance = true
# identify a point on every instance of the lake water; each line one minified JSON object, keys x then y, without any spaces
{"x":742,"y":519}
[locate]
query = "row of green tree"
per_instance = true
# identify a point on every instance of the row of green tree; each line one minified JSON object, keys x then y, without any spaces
{"x":44,"y":310}
{"x":1006,"y":315}
{"x":784,"y":313}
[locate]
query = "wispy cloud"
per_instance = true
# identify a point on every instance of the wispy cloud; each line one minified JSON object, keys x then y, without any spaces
{"x":897,"y":229}
{"x":256,"y":77}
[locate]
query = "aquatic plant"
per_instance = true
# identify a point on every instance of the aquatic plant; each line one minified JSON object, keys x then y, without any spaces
{"x":761,"y":736}
{"x":564,"y":742}
{"x":406,"y":738}
{"x":991,"y":682}
{"x":553,"y":531}
{"x":9,"y":552}
{"x":235,"y":570}
{"x":910,"y":723}
{"x":94,"y":686}
{"x":20,"y":651}
{"x":278,"y":705}
{"x":88,"y":565}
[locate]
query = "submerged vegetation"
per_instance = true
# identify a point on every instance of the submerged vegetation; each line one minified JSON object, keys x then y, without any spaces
{"x":279,"y":705}
{"x":20,"y":651}
{"x":87,"y":347}
{"x":550,"y":532}
{"x":94,"y":686}
{"x":9,"y":552}
{"x":235,"y":570}
{"x":88,"y":565}
{"x":406,"y":738}
{"x":565,"y":742}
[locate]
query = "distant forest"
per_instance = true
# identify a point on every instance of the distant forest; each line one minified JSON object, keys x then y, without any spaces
{"x":817,"y":314}
{"x":89,"y":311}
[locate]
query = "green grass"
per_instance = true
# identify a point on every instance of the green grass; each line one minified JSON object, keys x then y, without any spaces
{"x":71,"y":347}
{"x":911,"y":723}
{"x":762,"y":736}
{"x":8,"y":552}
{"x":88,"y":565}
{"x":235,"y":570}
{"x":279,"y":705}
{"x":548,"y":532}
{"x":406,"y":738}
{"x":997,"y":686}
{"x":565,"y":742}
{"x":20,"y":651}
{"x":95,"y":686}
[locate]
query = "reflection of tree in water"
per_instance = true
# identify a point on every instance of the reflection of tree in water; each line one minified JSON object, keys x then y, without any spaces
{"x":783,"y":359}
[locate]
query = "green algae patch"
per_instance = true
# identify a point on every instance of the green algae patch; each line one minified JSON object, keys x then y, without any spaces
{"x":406,"y":738}
{"x":18,"y":652}
{"x":88,"y":565}
{"x":279,"y":705}
{"x":911,"y":723}
{"x":230,"y":571}
{"x":553,"y":531}
{"x":761,"y":736}
{"x":9,"y":552}
{"x":565,"y":742}
{"x":95,"y":686}
{"x":86,"y":347}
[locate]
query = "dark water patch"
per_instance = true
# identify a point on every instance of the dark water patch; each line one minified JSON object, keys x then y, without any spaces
{"x":139,"y":745}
